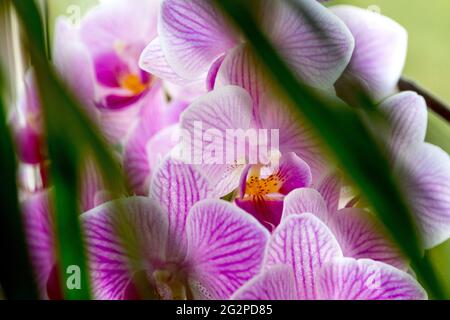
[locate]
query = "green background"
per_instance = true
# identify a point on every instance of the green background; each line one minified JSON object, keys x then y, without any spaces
{"x":428,"y":25}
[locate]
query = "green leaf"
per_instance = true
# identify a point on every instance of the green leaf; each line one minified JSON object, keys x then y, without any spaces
{"x":350,"y":141}
{"x":16,"y":276}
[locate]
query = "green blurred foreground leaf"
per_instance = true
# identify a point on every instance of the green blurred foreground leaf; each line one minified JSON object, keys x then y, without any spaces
{"x":349,"y":140}
{"x":71,"y":136}
{"x":16,"y":276}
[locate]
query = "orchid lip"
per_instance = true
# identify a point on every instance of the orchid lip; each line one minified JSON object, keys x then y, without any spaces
{"x":173,"y":281}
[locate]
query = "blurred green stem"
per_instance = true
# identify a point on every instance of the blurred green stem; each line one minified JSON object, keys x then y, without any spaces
{"x":433,"y":103}
{"x":63,"y":151}
{"x":16,"y":275}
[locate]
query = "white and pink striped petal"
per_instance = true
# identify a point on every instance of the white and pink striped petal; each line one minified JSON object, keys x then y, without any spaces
{"x":226,"y":248}
{"x":193,"y":35}
{"x":349,"y":279}
{"x":177,"y":187}
{"x":277,"y":283}
{"x":380,"y":50}
{"x":305,"y":244}
{"x":124,"y":237}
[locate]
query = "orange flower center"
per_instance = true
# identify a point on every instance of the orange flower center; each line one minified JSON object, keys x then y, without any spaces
{"x":133,"y":83}
{"x":261,"y":187}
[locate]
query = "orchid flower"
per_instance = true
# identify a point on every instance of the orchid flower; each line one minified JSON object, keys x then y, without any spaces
{"x":423,"y":169}
{"x":183,"y":246}
{"x":231,"y":108}
{"x":179,"y":242}
{"x":304,"y":261}
{"x":227,"y":60}
{"x":100,"y":61}
{"x":197,"y":43}
{"x":357,"y":231}
{"x":263,"y":190}
{"x":380,"y":51}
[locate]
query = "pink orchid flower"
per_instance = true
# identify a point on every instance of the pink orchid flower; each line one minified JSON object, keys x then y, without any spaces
{"x":380,"y":51}
{"x":184,"y":246}
{"x":100,"y":61}
{"x":231,"y":108}
{"x":223,"y":250}
{"x":263,"y":190}
{"x":423,"y":169}
{"x":304,"y":261}
{"x":197,"y":43}
{"x":181,"y":242}
{"x":358,"y":232}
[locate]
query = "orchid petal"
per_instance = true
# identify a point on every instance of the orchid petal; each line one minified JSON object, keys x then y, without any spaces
{"x":268,"y":210}
{"x":221,"y":110}
{"x":137,"y":150}
{"x":240,"y":68}
{"x":161,"y":145}
{"x":154,"y":62}
{"x":349,"y":279}
{"x":425,"y":174}
{"x":92,"y":185}
{"x":193,"y":35}
{"x":294,"y":134}
{"x":108,"y":68}
{"x":224,"y":178}
{"x":277,"y":283}
{"x":313,"y":41}
{"x":123,"y":237}
{"x":294,"y":173}
{"x":213,"y":72}
{"x":74,"y":64}
{"x":305,"y":200}
{"x":108,"y":25}
{"x":215,"y":114}
{"x":380,"y":49}
{"x":362,"y":236}
{"x":304,"y":243}
{"x":117,"y":102}
{"x":40,"y":238}
{"x":330,"y":189}
{"x":407,"y":113}
{"x":177,"y":186}
{"x":226,"y":248}
{"x":117,"y":124}
{"x":29,"y":145}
